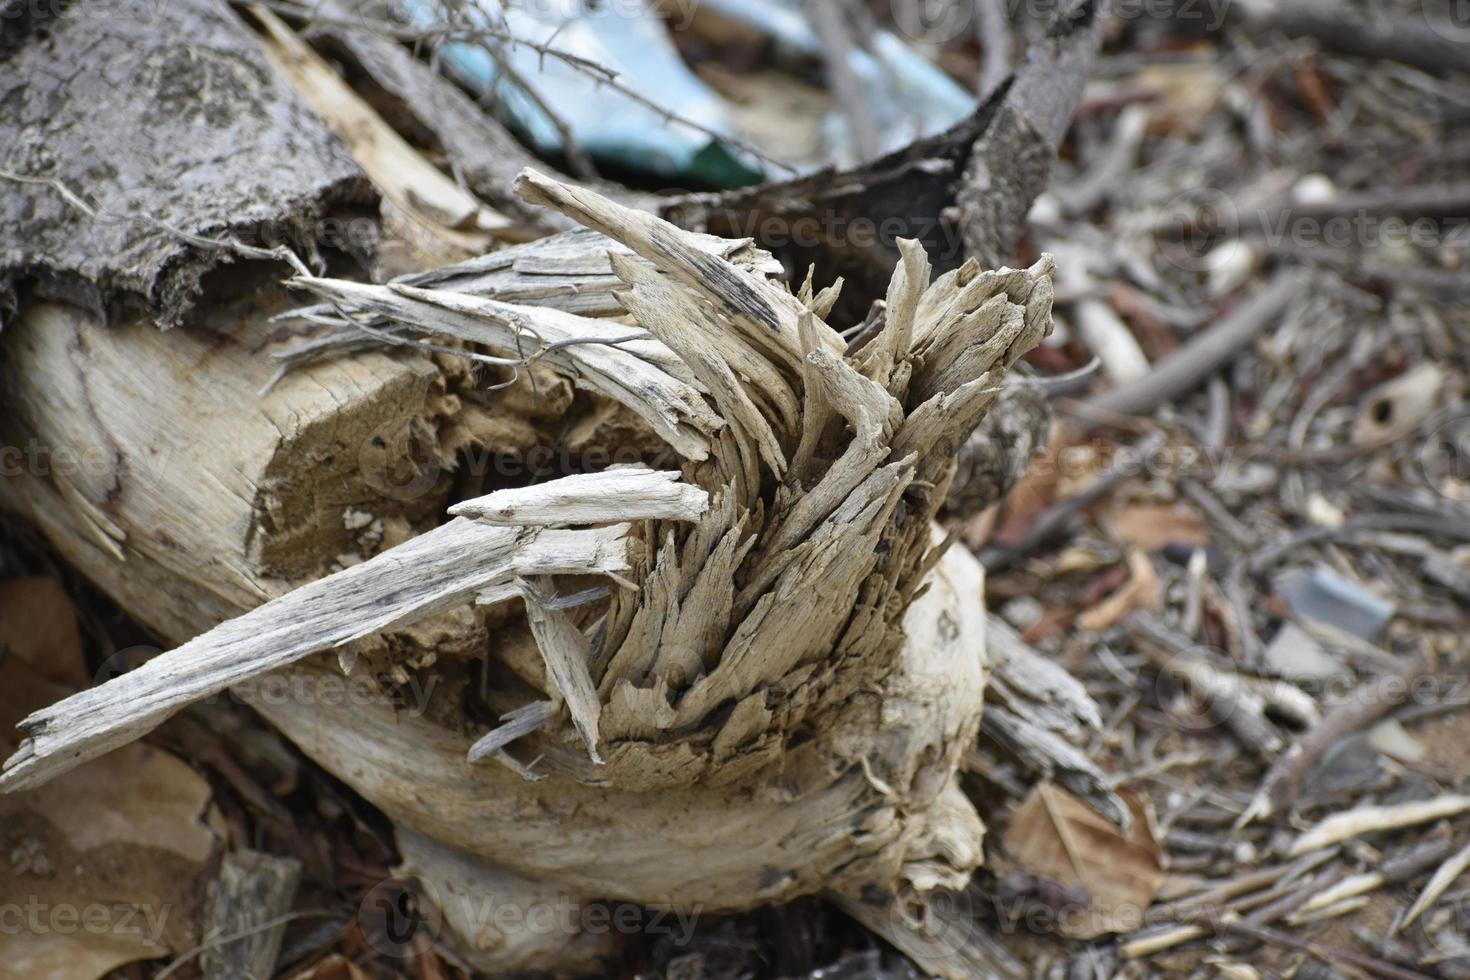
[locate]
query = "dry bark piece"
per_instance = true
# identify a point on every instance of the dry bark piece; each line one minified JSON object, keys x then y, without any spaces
{"x":204,"y":107}
{"x":398,"y":170}
{"x":417,"y":99}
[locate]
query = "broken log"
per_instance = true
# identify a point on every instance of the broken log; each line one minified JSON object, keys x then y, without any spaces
{"x":772,"y":691}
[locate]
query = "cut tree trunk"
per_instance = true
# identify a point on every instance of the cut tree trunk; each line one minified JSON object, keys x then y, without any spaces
{"x":778,"y":671}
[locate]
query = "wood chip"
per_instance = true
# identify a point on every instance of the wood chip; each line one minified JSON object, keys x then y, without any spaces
{"x":1442,"y":879}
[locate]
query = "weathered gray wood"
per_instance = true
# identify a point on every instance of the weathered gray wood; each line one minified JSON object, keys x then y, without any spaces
{"x":1043,"y":754}
{"x":778,"y":699}
{"x":1038,"y":688}
{"x":596,"y":354}
{"x":253,"y":889}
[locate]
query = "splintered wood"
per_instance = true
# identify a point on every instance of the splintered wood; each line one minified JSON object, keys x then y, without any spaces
{"x":780,"y":619}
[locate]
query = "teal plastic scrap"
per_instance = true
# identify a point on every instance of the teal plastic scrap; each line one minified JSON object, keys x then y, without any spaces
{"x":629,"y":39}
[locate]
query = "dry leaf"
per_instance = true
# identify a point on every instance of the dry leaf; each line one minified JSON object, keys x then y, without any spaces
{"x":105,"y":862}
{"x":1056,"y":836}
{"x":1152,"y":526}
{"x":1141,"y":591}
{"x":38,"y":624}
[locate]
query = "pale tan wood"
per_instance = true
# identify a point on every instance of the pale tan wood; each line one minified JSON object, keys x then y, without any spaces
{"x":154,"y":465}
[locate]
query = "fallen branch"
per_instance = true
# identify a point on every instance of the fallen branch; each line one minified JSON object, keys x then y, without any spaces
{"x":1183,"y":369}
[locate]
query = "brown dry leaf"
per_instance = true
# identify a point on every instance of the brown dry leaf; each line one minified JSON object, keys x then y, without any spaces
{"x":1141,"y":591}
{"x":106,"y":862}
{"x":38,"y":624}
{"x":1152,"y":526}
{"x":1056,"y":836}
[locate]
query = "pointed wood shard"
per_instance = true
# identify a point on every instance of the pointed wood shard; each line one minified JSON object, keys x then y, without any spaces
{"x":428,"y":574}
{"x":625,"y":493}
{"x":568,"y":659}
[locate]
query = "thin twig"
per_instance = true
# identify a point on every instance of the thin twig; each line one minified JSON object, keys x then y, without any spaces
{"x":1208,"y":351}
{"x":1369,"y":964}
{"x":577,"y":158}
